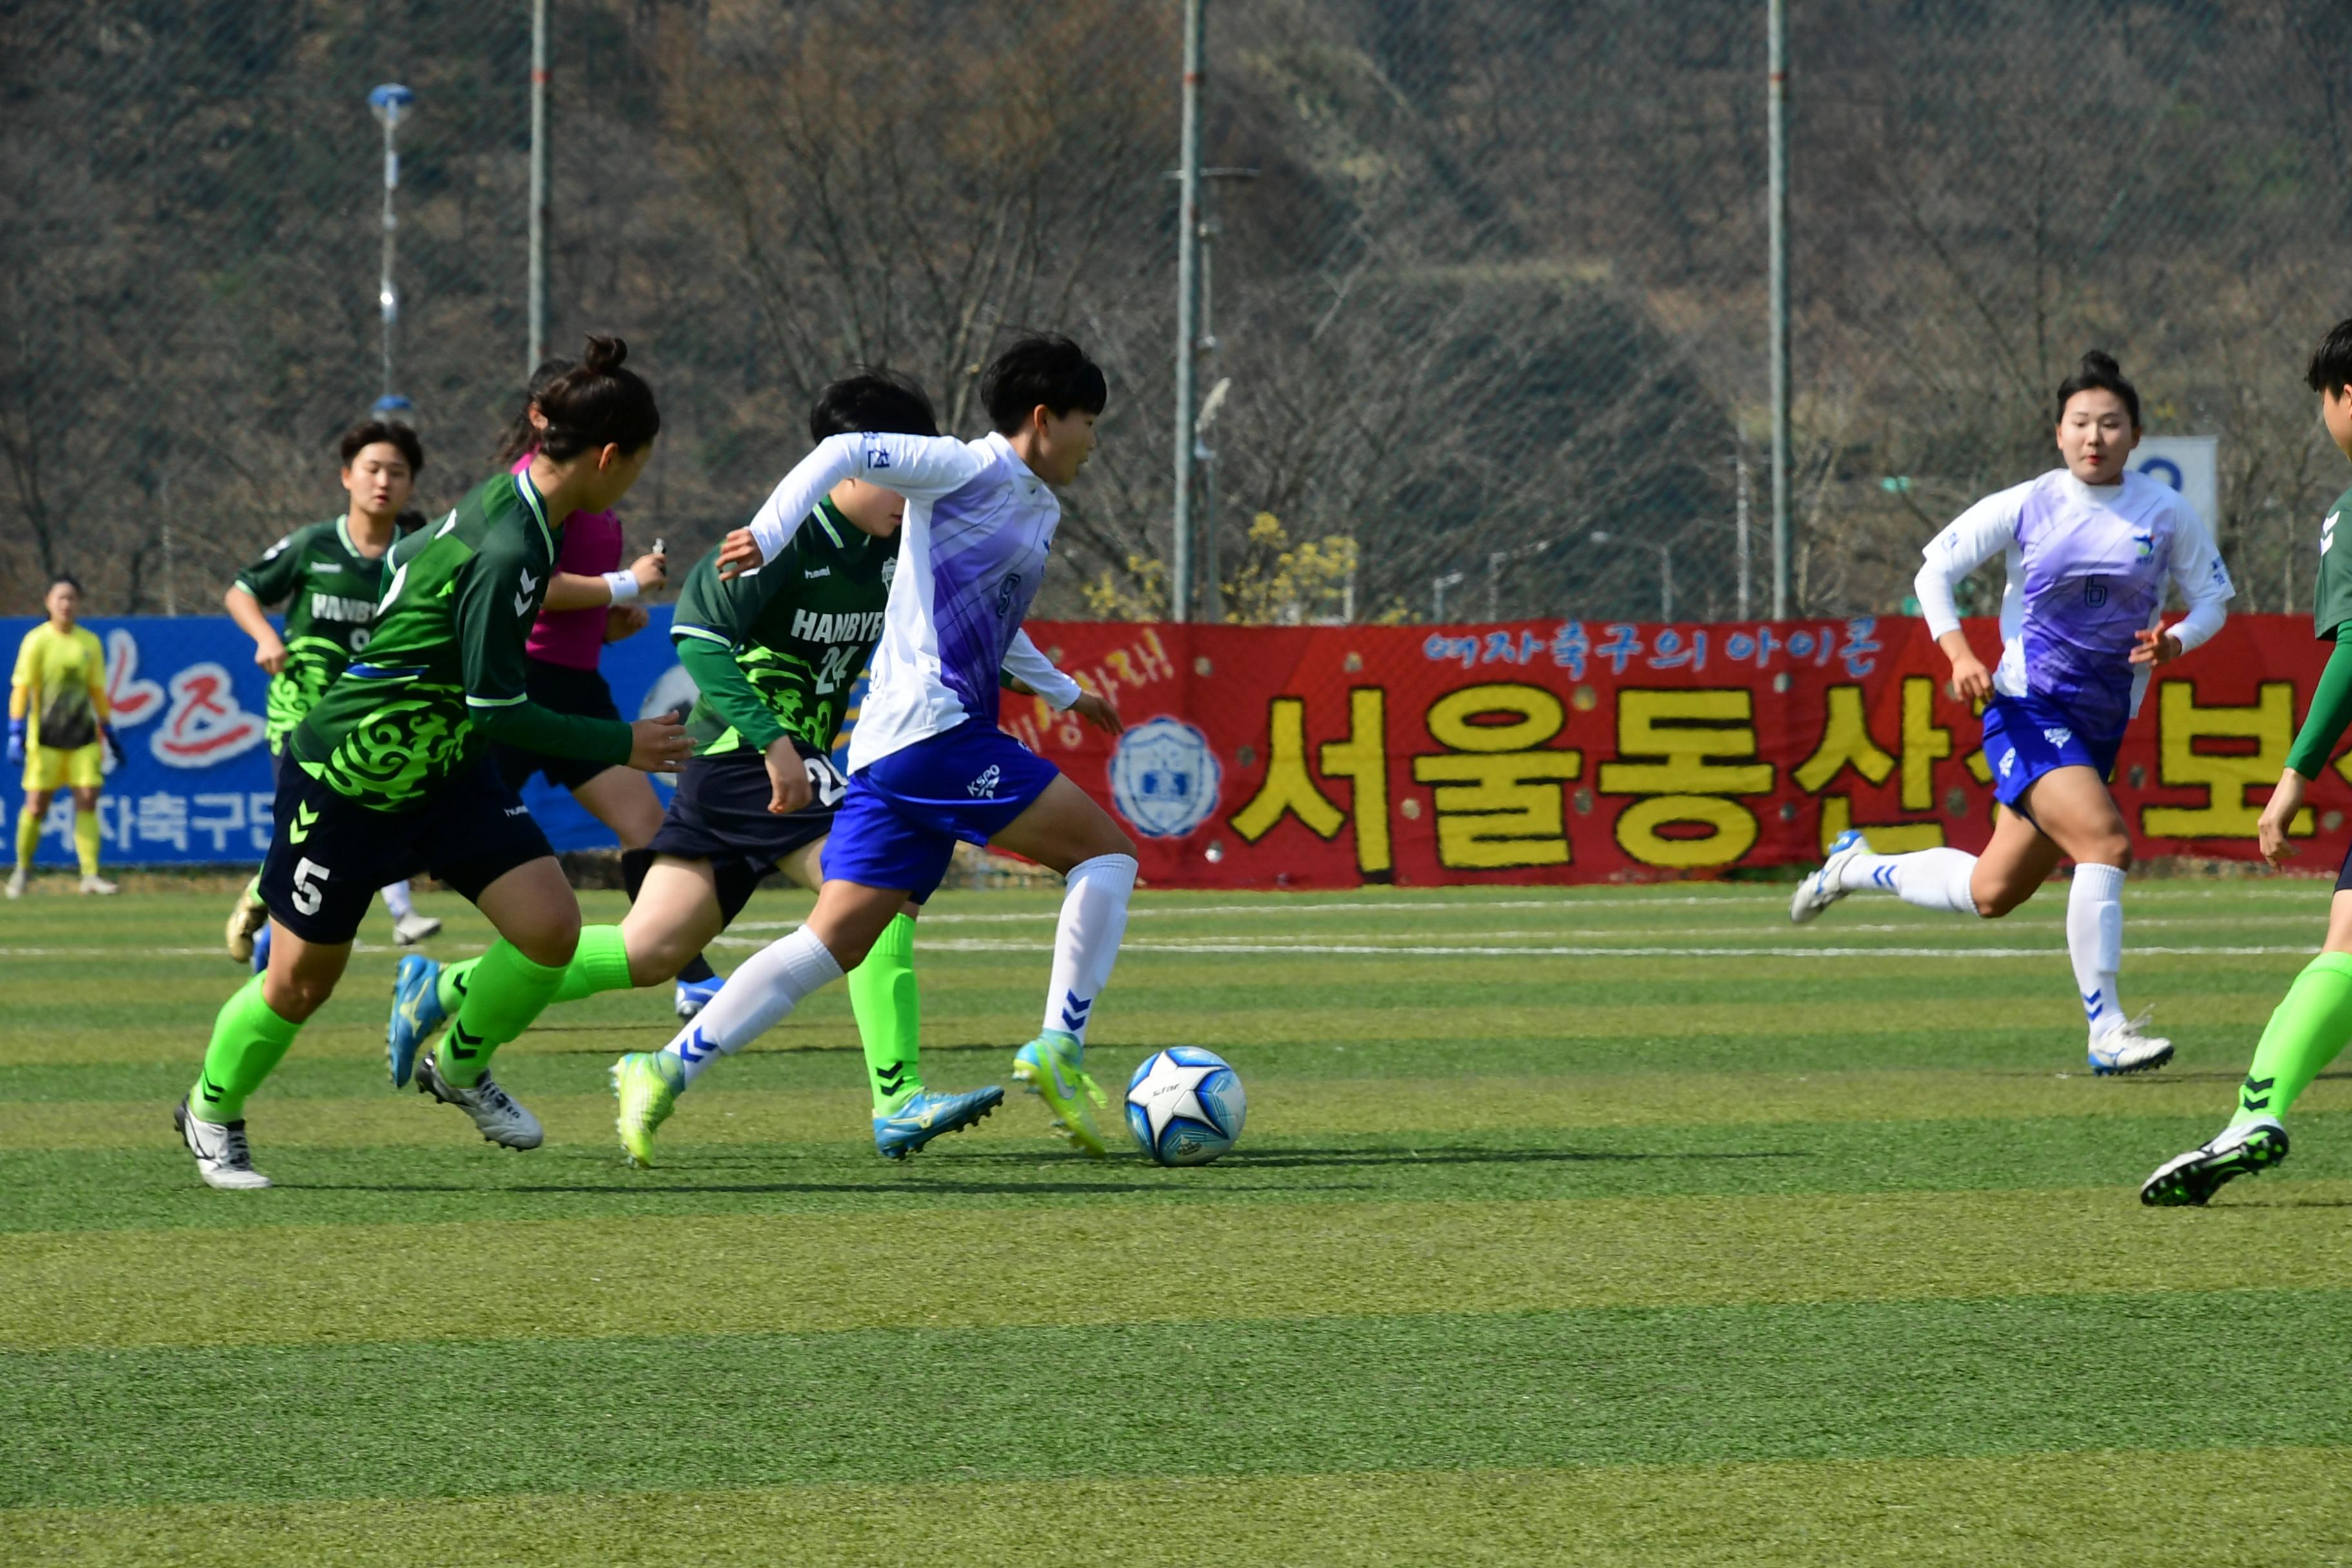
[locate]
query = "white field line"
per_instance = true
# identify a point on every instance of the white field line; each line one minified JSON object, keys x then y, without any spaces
{"x":1390,"y":950}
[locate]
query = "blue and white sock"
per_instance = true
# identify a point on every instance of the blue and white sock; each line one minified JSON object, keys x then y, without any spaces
{"x":756,"y":998}
{"x":397,"y":900}
{"x":1085,"y":943}
{"x":1928,"y":878}
{"x":2095,"y":941}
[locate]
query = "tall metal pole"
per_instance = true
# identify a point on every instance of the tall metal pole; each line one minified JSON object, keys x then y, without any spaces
{"x":1743,"y":510}
{"x":1188,"y":302}
{"x":390,"y":102}
{"x":538,"y":184}
{"x":1777,"y":22}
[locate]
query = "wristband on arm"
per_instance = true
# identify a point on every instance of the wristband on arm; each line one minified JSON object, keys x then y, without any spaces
{"x":623,"y":585}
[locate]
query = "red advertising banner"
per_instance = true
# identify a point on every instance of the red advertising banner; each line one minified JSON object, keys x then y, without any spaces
{"x":1569,"y":752}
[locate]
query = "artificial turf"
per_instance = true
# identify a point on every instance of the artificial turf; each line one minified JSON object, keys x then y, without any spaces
{"x":1597,"y":1225}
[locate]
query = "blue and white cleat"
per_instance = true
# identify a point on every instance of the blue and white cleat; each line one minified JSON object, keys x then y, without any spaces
{"x":693,"y":995}
{"x":2125,"y":1049}
{"x":415,"y":1014}
{"x":1825,"y":887}
{"x":927,"y":1115}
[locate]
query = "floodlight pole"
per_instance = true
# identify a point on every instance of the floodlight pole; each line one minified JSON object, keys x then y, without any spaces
{"x":1777,"y":25}
{"x":537,"y":305}
{"x":390,"y":102}
{"x":1437,"y":586}
{"x":1188,"y":305}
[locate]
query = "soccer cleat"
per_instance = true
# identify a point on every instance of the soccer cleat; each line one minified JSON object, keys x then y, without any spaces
{"x":415,"y":1014}
{"x":693,"y":995}
{"x":223,"y":1160}
{"x":16,"y":883}
{"x":648,"y":1093}
{"x":2190,"y":1179}
{"x":98,"y":885}
{"x":927,"y":1115}
{"x":2125,"y":1049}
{"x":244,"y":921}
{"x":1823,"y":887}
{"x":496,"y":1115}
{"x":1053,"y":1068}
{"x":411,"y":928}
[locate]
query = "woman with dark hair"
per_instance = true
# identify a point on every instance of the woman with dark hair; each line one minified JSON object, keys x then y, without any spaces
{"x":390,"y":777}
{"x":56,"y":722}
{"x":2090,"y":548}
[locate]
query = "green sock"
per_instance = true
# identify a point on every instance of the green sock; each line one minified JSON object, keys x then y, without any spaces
{"x":889,"y":1011}
{"x":249,"y":1039}
{"x":2309,"y":1027}
{"x":601,"y":964}
{"x":505,"y":992}
{"x":451,"y":988}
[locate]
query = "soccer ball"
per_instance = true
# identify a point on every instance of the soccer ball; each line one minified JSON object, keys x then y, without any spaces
{"x":1185,"y":1106}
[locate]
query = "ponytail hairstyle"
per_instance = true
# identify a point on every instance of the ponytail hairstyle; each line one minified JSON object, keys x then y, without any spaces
{"x":523,"y":434}
{"x":2099,"y":373}
{"x":599,"y":401}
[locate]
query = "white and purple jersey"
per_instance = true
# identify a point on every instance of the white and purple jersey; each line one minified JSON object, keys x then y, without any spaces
{"x":2088,"y":567}
{"x":972,"y":549}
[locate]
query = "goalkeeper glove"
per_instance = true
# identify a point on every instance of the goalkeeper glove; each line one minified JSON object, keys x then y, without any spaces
{"x":16,"y":740}
{"x":113,"y":744}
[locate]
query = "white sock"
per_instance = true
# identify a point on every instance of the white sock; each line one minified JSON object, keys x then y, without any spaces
{"x":397,"y":900}
{"x":1085,"y":943}
{"x":1930,"y":878}
{"x":757,"y":996}
{"x":2095,"y":941}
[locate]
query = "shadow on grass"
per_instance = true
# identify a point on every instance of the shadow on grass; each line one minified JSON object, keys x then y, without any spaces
{"x":695,"y":1189}
{"x":1442,"y":1155}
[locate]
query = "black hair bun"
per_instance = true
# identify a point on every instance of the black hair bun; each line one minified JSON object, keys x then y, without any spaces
{"x":605,"y":356}
{"x":2099,"y":362}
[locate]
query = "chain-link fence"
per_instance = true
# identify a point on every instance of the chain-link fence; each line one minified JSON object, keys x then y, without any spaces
{"x":1487,"y":278}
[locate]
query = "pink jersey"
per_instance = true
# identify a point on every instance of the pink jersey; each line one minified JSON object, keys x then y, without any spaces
{"x":591,"y":546}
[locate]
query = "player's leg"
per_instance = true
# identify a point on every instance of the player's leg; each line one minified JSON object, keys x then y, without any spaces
{"x":624,"y":800}
{"x":2073,"y":808}
{"x":88,"y":773}
{"x":408,"y":927}
{"x":1937,"y":878}
{"x":1062,"y":828}
{"x":38,"y":796}
{"x":2307,"y":1031}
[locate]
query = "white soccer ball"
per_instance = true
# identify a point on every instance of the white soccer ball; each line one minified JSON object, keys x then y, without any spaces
{"x":1185,"y":1106}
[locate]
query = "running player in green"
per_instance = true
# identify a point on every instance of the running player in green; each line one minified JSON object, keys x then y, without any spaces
{"x":774,"y":654}
{"x":2312,"y":1025}
{"x":329,"y":575}
{"x":391,"y":777}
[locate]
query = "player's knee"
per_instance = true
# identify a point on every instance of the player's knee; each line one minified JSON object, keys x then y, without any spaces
{"x":656,"y":962}
{"x":295,"y":996}
{"x":1991,"y":904}
{"x":2116,"y":852}
{"x":552,"y":942}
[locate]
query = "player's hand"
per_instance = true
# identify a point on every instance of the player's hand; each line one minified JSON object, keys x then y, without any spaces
{"x":657,"y":745}
{"x":2154,"y":647}
{"x":1098,"y":711}
{"x":2278,"y":815}
{"x":1970,"y":682}
{"x":789,"y":787}
{"x":739,"y":553}
{"x":270,"y":655}
{"x":651,"y":569}
{"x":624,"y":621}
{"x":113,"y":744}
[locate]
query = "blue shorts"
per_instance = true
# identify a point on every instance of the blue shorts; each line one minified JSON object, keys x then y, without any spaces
{"x":898,"y":827}
{"x":2027,"y":737}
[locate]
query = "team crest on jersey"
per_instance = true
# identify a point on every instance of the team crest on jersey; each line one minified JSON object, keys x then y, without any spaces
{"x":889,"y":569}
{"x":984,"y":787}
{"x":2146,"y":542}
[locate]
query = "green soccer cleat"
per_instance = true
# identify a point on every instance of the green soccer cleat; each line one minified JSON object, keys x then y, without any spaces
{"x":648,"y":1093}
{"x":1053,"y":1068}
{"x":2190,"y":1180}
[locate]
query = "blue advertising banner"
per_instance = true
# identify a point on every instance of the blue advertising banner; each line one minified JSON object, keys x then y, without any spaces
{"x":193,"y":786}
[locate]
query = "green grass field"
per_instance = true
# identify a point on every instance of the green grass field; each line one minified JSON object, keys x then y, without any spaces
{"x":1605,"y":1226}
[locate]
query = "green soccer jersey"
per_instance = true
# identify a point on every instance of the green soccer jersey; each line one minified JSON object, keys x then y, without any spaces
{"x":330,"y":590}
{"x":445,"y":658}
{"x":800,"y":627}
{"x":2332,"y":593}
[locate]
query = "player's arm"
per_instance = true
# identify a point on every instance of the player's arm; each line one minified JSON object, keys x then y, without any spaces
{"x":2204,"y":583}
{"x":494,"y":613}
{"x":2322,"y":726}
{"x":917,"y":467}
{"x":1971,"y":539}
{"x":715,"y":616}
{"x":21,"y":686}
{"x":98,"y":705}
{"x":576,"y":591}
{"x":1027,"y":665}
{"x":272,"y":580}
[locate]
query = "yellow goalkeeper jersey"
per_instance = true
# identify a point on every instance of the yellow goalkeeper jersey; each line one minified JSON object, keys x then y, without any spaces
{"x":63,"y":679}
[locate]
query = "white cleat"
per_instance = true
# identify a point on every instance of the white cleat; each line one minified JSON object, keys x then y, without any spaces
{"x":16,"y":883}
{"x":1825,"y":887}
{"x":98,"y":885}
{"x":494,"y":1111}
{"x":2125,"y":1049}
{"x":222,"y":1158}
{"x":412,"y":928}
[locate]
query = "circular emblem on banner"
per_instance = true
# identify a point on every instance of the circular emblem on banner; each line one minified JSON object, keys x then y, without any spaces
{"x":1164,"y":778}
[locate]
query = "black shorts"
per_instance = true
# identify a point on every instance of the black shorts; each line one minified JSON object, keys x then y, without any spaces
{"x":720,"y":814}
{"x":562,"y":689}
{"x":2344,"y":877}
{"x":330,"y":854}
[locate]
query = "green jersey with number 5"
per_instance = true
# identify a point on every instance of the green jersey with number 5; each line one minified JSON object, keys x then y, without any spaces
{"x":801,"y":627}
